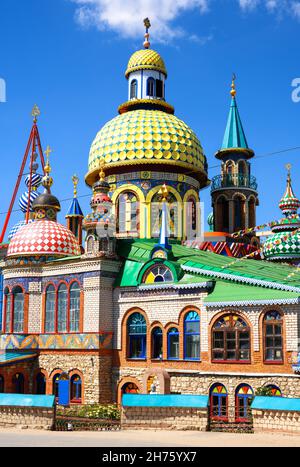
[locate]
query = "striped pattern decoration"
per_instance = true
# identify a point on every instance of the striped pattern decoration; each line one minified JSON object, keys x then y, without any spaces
{"x":35,"y":180}
{"x":23,"y":201}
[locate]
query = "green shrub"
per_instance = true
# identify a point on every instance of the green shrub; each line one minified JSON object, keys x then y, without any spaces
{"x":264,"y":391}
{"x":104,"y":412}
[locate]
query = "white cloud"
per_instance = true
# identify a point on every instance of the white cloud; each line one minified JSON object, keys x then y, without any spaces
{"x":126,"y":16}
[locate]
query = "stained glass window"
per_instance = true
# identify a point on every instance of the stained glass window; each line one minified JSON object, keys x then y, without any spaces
{"x":244,"y":397}
{"x":137,"y":330}
{"x":218,"y":402}
{"x":130,"y":388}
{"x":62,"y":308}
{"x":158,"y":273}
{"x":173,"y":344}
{"x":18,"y":310}
{"x":231,"y":339}
{"x":74,"y":307}
{"x":274,"y":390}
{"x":50,"y":309}
{"x":273,"y":339}
{"x":192,"y":336}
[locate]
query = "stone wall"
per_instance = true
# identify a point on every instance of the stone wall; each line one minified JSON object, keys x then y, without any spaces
{"x":164,"y":418}
{"x":276,"y":421}
{"x":27,"y":417}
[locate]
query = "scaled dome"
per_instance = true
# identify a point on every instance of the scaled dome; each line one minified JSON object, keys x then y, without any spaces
{"x":146,"y":137}
{"x":146,"y":59}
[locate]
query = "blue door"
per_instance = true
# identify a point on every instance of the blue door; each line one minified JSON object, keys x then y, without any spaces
{"x":64,"y":392}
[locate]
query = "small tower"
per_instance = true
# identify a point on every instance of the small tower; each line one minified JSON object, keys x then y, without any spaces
{"x":284,"y":245}
{"x":146,"y":81}
{"x":100,"y":225}
{"x":234,"y":192}
{"x":75,"y":215}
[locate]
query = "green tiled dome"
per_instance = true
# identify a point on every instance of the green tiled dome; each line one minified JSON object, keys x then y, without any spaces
{"x":276,"y":248}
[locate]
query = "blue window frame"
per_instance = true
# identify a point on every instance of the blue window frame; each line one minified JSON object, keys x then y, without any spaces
{"x":137,"y":336}
{"x":192,"y":336}
{"x":50,"y":309}
{"x":76,"y":389}
{"x":157,"y":343}
{"x":244,"y":397}
{"x":219,"y":402}
{"x":173,"y":344}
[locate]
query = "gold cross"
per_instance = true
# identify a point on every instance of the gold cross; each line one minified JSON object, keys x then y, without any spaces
{"x":147,"y":24}
{"x":48,"y":152}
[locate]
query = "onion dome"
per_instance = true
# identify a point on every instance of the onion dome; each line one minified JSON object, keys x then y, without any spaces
{"x":44,"y":237}
{"x":146,"y":59}
{"x":285,"y":243}
{"x":36,"y":180}
{"x":23,"y":201}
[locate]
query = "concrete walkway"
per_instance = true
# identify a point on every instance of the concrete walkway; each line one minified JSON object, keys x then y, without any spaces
{"x":28,"y":438}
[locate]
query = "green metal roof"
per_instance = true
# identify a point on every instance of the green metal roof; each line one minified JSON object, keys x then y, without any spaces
{"x":234,"y":134}
{"x":207,"y":265}
{"x":166,"y":400}
{"x":276,"y":403}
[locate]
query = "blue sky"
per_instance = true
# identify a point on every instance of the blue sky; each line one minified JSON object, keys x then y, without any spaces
{"x":69,"y":57}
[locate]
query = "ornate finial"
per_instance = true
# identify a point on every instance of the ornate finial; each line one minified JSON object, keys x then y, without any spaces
{"x":147,"y":25}
{"x":164,"y":192}
{"x":102,"y":173}
{"x":35,"y":113}
{"x":288,"y":168}
{"x":47,"y":180}
{"x":75,"y":181}
{"x":233,"y":90}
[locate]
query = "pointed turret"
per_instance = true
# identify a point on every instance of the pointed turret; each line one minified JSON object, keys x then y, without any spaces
{"x":234,"y":192}
{"x":75,"y":215}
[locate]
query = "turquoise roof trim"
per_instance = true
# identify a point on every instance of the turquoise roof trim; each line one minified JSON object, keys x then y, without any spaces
{"x":234,"y":134}
{"x":276,"y":403}
{"x":11,"y":357}
{"x":167,"y":400}
{"x":21,"y":400}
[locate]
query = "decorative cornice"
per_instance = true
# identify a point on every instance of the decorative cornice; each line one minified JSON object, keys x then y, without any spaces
{"x":279,"y":301}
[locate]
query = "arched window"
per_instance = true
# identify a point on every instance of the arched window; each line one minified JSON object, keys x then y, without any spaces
{"x":192,"y":336}
{"x":244,"y":395}
{"x":150,"y":87}
{"x":18,"y":310}
{"x":219,"y":402}
{"x":158,"y":273}
{"x":157,"y":343}
{"x":50,"y":309}
{"x":251,"y":209}
{"x":90,"y":244}
{"x":222,"y":214}
{"x":75,"y":307}
{"x":62,"y":308}
{"x":7,"y":310}
{"x":273,"y":336}
{"x":18,"y":383}
{"x":130,"y":388}
{"x":173,"y":344}
{"x":76,"y":389}
{"x":275,"y":391}
{"x":239,"y":213}
{"x":1,"y":384}
{"x":40,"y":382}
{"x":128,"y":213}
{"x":137,"y":330}
{"x":172,"y":212}
{"x":191,"y":218}
{"x":231,"y":339}
{"x":133,"y":89}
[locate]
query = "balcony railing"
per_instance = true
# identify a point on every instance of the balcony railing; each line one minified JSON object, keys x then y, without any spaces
{"x":232,"y":181}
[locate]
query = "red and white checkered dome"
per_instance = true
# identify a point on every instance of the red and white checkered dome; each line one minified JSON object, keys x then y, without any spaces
{"x":44,"y":237}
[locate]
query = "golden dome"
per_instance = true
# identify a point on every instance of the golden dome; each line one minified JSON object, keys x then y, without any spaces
{"x":145,"y":137}
{"x":146,"y":59}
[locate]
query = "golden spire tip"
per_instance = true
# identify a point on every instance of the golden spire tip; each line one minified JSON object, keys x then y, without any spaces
{"x":233,"y":89}
{"x":35,"y":113}
{"x":75,"y":180}
{"x":147,"y":25}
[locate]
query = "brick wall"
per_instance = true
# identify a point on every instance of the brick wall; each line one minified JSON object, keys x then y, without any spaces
{"x":276,"y":421}
{"x":27,"y":417}
{"x":164,"y":418}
